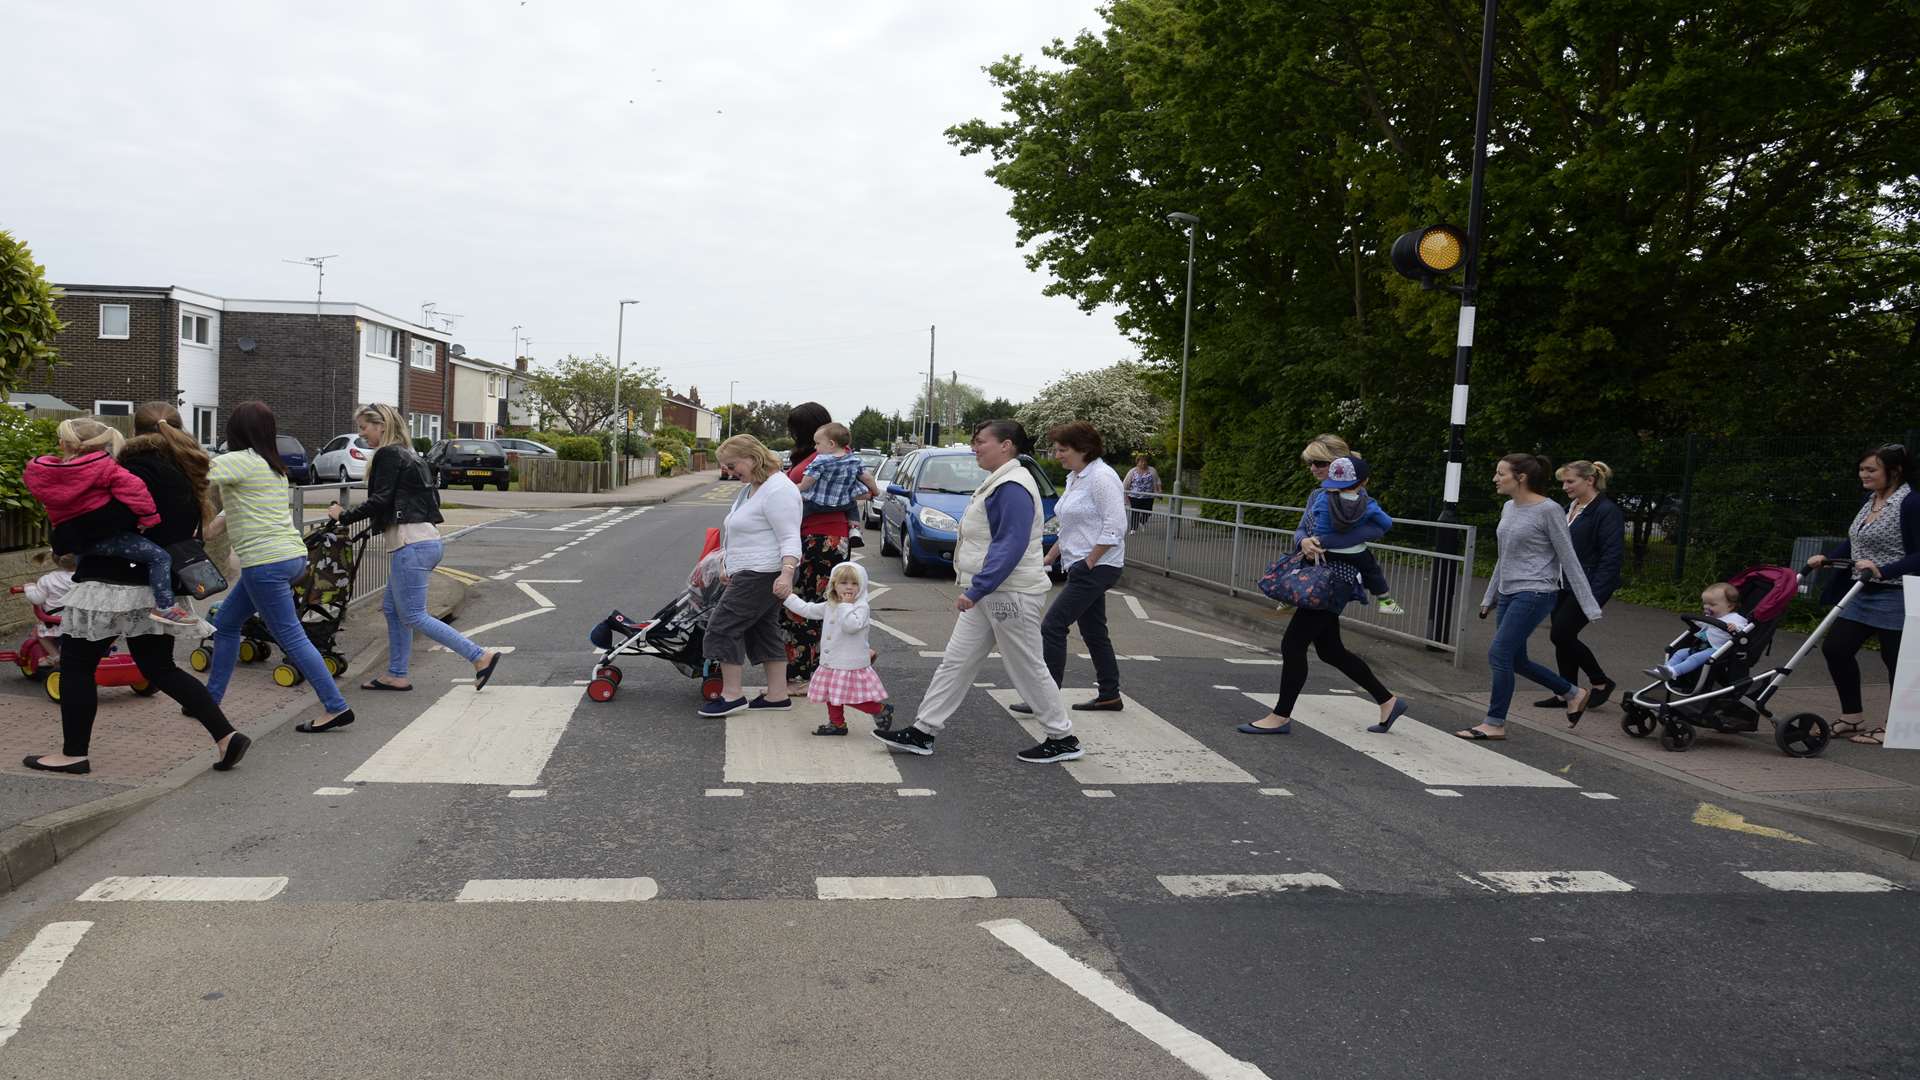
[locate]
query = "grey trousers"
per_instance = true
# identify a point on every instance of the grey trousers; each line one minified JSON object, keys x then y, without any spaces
{"x":1011,"y":622}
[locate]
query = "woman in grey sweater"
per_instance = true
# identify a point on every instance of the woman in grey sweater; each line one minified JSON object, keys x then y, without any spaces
{"x":1536,"y":560}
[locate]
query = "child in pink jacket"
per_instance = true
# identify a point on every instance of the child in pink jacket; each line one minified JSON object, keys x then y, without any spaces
{"x":84,"y":487}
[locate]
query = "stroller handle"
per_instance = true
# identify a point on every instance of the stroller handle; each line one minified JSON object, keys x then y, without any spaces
{"x":1837,"y":564}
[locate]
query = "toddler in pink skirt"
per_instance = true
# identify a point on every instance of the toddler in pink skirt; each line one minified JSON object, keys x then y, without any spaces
{"x":846,"y":676}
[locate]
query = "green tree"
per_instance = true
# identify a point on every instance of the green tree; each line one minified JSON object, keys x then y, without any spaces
{"x":869,"y":428}
{"x":1117,"y":400}
{"x":28,"y":322}
{"x":981,"y":411}
{"x":580,"y":392}
{"x":951,"y":401}
{"x":1699,"y":219}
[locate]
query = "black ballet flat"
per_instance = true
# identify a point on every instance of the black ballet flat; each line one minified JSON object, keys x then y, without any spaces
{"x":78,"y":768}
{"x":236,"y":749}
{"x":334,"y":724}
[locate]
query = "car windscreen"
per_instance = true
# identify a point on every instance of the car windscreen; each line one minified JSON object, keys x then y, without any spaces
{"x":287,"y":444}
{"x":955,"y":475}
{"x":475,"y":446}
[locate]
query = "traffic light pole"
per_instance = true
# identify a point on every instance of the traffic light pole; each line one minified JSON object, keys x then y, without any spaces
{"x":1447,"y":574}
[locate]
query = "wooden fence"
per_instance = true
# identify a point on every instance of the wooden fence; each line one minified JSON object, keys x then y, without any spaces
{"x":21,"y":529}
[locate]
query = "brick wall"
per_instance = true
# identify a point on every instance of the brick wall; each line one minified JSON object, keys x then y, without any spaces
{"x":143,"y":367}
{"x":304,"y":367}
{"x":426,"y":390}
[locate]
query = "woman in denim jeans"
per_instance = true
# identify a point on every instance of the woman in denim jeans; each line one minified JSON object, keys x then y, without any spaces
{"x":1536,"y":560}
{"x":402,"y":502}
{"x":252,"y":482}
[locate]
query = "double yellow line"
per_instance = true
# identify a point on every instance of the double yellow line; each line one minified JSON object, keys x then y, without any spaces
{"x":460,"y":576}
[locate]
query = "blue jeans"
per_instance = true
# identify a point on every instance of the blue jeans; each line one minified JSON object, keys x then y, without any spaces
{"x":405,"y":605}
{"x":268,"y":589}
{"x":1688,"y":660}
{"x":138,"y":549}
{"x":1516,"y":615}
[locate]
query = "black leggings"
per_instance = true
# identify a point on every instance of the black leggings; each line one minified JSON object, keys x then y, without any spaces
{"x":1842,"y":645}
{"x":1571,"y":655}
{"x":153,"y":653}
{"x":1321,"y":629}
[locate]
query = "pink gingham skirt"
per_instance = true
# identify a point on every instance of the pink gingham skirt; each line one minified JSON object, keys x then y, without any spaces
{"x":838,"y":686}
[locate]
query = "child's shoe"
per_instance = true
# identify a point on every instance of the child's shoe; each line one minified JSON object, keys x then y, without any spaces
{"x":1663,"y":672}
{"x":1389,"y":606}
{"x":831,"y":729}
{"x":174,"y":616}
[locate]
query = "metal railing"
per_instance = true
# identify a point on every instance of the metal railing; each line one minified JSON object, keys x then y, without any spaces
{"x":370,"y":578}
{"x":1228,"y":545}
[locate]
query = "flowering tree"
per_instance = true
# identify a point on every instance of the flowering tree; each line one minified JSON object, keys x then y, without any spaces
{"x":1116,"y":400}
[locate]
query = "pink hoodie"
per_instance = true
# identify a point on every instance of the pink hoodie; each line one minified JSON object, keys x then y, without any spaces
{"x":69,"y":489}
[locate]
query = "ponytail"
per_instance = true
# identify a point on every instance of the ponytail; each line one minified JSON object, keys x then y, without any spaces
{"x":161,"y":421}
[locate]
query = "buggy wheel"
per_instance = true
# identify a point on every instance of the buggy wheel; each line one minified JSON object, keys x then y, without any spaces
{"x":601,"y":689}
{"x":249,"y":652}
{"x":145,"y":688}
{"x":1637,"y":722}
{"x":336,"y":664}
{"x":200,"y":659}
{"x":52,"y":686}
{"x":1803,"y":734}
{"x":262,"y":651}
{"x":710,"y":688}
{"x":609,"y":673}
{"x":286,"y":675}
{"x":1678,"y":736}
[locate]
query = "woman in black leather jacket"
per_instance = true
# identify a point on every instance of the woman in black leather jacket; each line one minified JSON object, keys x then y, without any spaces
{"x":402,"y":503}
{"x":1598,"y":529}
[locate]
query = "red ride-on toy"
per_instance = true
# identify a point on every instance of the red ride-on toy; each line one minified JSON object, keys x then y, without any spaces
{"x":39,"y":655}
{"x":39,"y":658}
{"x":674,"y":634}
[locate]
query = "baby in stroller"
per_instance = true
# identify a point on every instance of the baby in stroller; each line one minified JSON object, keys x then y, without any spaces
{"x":1720,"y":603}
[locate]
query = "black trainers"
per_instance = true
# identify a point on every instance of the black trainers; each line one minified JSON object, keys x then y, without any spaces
{"x":884,"y":721}
{"x":1065,"y":749}
{"x":908,"y":740}
{"x":761,"y":704}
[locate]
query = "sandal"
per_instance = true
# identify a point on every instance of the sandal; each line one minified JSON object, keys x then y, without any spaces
{"x":1870,"y":737}
{"x":1845,"y":727}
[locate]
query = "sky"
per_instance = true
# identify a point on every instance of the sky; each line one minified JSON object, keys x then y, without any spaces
{"x":769,"y":180}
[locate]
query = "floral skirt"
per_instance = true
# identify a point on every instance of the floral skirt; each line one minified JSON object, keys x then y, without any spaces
{"x":838,"y":686}
{"x":818,"y":556}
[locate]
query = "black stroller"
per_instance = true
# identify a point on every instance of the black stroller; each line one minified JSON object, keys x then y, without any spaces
{"x":1725,"y":695}
{"x":320,"y":598}
{"x":676,"y":634}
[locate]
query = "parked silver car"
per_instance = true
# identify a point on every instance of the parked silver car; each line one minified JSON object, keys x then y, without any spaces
{"x":343,"y":458}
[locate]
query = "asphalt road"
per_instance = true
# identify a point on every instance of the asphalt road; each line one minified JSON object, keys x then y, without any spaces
{"x":1183,"y":900}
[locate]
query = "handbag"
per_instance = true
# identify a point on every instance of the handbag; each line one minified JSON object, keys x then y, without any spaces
{"x":195,"y":573}
{"x":1314,"y":586}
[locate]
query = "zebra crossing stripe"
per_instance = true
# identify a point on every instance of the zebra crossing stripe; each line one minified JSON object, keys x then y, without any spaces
{"x":1821,"y":881}
{"x":159,"y":887}
{"x":1534,"y":882}
{"x":1433,"y":757}
{"x":1218,"y":885}
{"x":1135,"y":746}
{"x":954,"y":887}
{"x":33,"y":969}
{"x":503,"y":736}
{"x":541,"y":890}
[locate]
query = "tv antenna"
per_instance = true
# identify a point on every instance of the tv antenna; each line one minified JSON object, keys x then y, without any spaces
{"x":319,"y":263}
{"x":430,"y":314}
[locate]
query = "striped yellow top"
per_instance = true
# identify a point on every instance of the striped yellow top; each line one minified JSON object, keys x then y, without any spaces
{"x":259,"y":517}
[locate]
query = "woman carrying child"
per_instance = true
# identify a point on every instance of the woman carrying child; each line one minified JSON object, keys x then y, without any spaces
{"x":112,"y":597}
{"x":99,"y":505}
{"x":846,"y":675}
{"x":823,"y":536}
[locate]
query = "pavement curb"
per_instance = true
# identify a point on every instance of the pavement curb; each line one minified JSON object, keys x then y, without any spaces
{"x":38,"y":844}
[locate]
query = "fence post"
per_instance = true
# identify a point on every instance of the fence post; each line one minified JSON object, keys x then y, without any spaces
{"x":1686,"y":511}
{"x":1466,"y":591}
{"x":1233,"y":567}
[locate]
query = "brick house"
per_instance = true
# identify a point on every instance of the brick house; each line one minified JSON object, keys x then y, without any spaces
{"x":479,"y":405}
{"x":687,"y":412}
{"x":314,"y":364}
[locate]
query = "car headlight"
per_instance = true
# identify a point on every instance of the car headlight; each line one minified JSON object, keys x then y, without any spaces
{"x":934,"y":519}
{"x":1051,"y":527}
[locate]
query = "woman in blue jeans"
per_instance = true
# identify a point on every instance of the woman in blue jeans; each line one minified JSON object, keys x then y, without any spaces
{"x":403,"y":504}
{"x":1536,"y":560}
{"x":252,"y":482}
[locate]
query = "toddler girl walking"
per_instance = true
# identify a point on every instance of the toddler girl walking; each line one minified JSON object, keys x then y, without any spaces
{"x":95,"y":506}
{"x":846,"y":676}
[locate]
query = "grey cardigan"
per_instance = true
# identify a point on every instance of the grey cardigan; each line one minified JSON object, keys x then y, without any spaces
{"x":1536,"y":555}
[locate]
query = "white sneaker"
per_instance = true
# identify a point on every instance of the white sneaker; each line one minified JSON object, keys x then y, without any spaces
{"x":1389,"y":606}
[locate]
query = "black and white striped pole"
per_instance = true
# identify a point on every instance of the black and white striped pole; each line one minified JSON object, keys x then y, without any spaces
{"x":1424,"y":254}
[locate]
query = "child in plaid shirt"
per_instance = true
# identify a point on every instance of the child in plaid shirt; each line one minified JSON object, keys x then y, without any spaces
{"x":835,"y":474}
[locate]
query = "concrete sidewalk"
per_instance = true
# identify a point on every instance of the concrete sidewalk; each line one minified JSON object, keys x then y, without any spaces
{"x":654,"y":489}
{"x":1869,"y":792}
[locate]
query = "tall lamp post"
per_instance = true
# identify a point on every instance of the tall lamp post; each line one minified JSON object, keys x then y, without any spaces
{"x":730,"y":406}
{"x":1186,"y":344}
{"x":619,"y":342}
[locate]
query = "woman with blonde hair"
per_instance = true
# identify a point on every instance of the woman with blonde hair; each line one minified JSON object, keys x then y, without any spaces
{"x":760,"y":542}
{"x":402,"y":503}
{"x":111,"y":597}
{"x":1598,"y":530}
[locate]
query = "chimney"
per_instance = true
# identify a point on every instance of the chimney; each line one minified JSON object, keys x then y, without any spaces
{"x":520,"y":364}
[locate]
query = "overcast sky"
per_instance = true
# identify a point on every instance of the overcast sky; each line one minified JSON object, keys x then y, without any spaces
{"x":768,"y":179}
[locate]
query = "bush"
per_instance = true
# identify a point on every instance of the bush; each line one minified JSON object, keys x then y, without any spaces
{"x":421,"y":446}
{"x":669,"y":433}
{"x":22,"y":438}
{"x":579,"y":448}
{"x":667,"y":462}
{"x":784,"y":442}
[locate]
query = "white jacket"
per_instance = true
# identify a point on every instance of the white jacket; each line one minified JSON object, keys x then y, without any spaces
{"x":843,"y":632}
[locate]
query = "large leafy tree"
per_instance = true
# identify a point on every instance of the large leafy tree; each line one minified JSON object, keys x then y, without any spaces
{"x":1700,"y":219}
{"x":1118,"y":401}
{"x":28,"y":322}
{"x":981,"y":411}
{"x":869,"y":428}
{"x":580,"y":391}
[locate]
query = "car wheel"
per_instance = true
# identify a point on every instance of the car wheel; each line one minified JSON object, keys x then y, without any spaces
{"x":909,"y":565}
{"x":440,"y":479}
{"x":886,"y":540}
{"x":344,"y":478}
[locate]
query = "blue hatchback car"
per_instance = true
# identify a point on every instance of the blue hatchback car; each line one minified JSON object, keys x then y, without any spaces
{"x":921,"y":520}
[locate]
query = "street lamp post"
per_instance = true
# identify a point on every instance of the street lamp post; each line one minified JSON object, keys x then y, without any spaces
{"x":619,"y":342}
{"x":1186,"y":344}
{"x":730,"y":406}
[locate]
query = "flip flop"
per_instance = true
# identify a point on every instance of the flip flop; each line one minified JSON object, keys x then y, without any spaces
{"x":376,"y":684}
{"x":1476,"y":735}
{"x":485,"y":673}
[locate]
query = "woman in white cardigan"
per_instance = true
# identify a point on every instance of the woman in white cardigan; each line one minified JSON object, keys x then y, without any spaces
{"x":761,"y":542}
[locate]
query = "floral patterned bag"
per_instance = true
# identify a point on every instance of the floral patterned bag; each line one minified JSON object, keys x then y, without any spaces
{"x":1316,"y":586}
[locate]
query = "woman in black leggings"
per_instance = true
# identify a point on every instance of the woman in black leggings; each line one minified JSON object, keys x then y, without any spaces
{"x":1599,"y":531}
{"x":1884,"y":544}
{"x":111,"y":598}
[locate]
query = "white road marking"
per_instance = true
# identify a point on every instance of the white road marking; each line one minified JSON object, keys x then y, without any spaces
{"x":1263,"y":663}
{"x":1204,"y":634}
{"x":1445,"y":793}
{"x":553,"y":581}
{"x":503,"y":575}
{"x":983,"y":684}
{"x":469,"y":631}
{"x":526,"y":890}
{"x":333,"y":791}
{"x":33,"y":969}
{"x":1186,"y":1046}
{"x":957,"y":887}
{"x":502,"y":736}
{"x":931,"y":654}
{"x":1135,"y":746}
{"x":781,"y":748}
{"x":184,"y":888}
{"x":725,"y":792}
{"x":527,"y":793}
{"x":1242,"y":884}
{"x":1096,"y":793}
{"x":874,"y":594}
{"x":1821,"y":881}
{"x":538,"y":598}
{"x":1555,"y":881}
{"x":1133,"y":604}
{"x":905,"y":637}
{"x":1283,"y":792}
{"x":1224,"y":686}
{"x":1428,"y":755}
{"x":913,"y":792}
{"x":1598,"y":795}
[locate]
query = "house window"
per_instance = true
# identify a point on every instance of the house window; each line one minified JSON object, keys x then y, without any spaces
{"x":383,"y":341}
{"x":116,"y":321}
{"x":195,"y":329}
{"x":113,"y":408}
{"x":203,"y":425}
{"x":424,"y":425}
{"x":493,"y":386}
{"x":423,"y":355}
